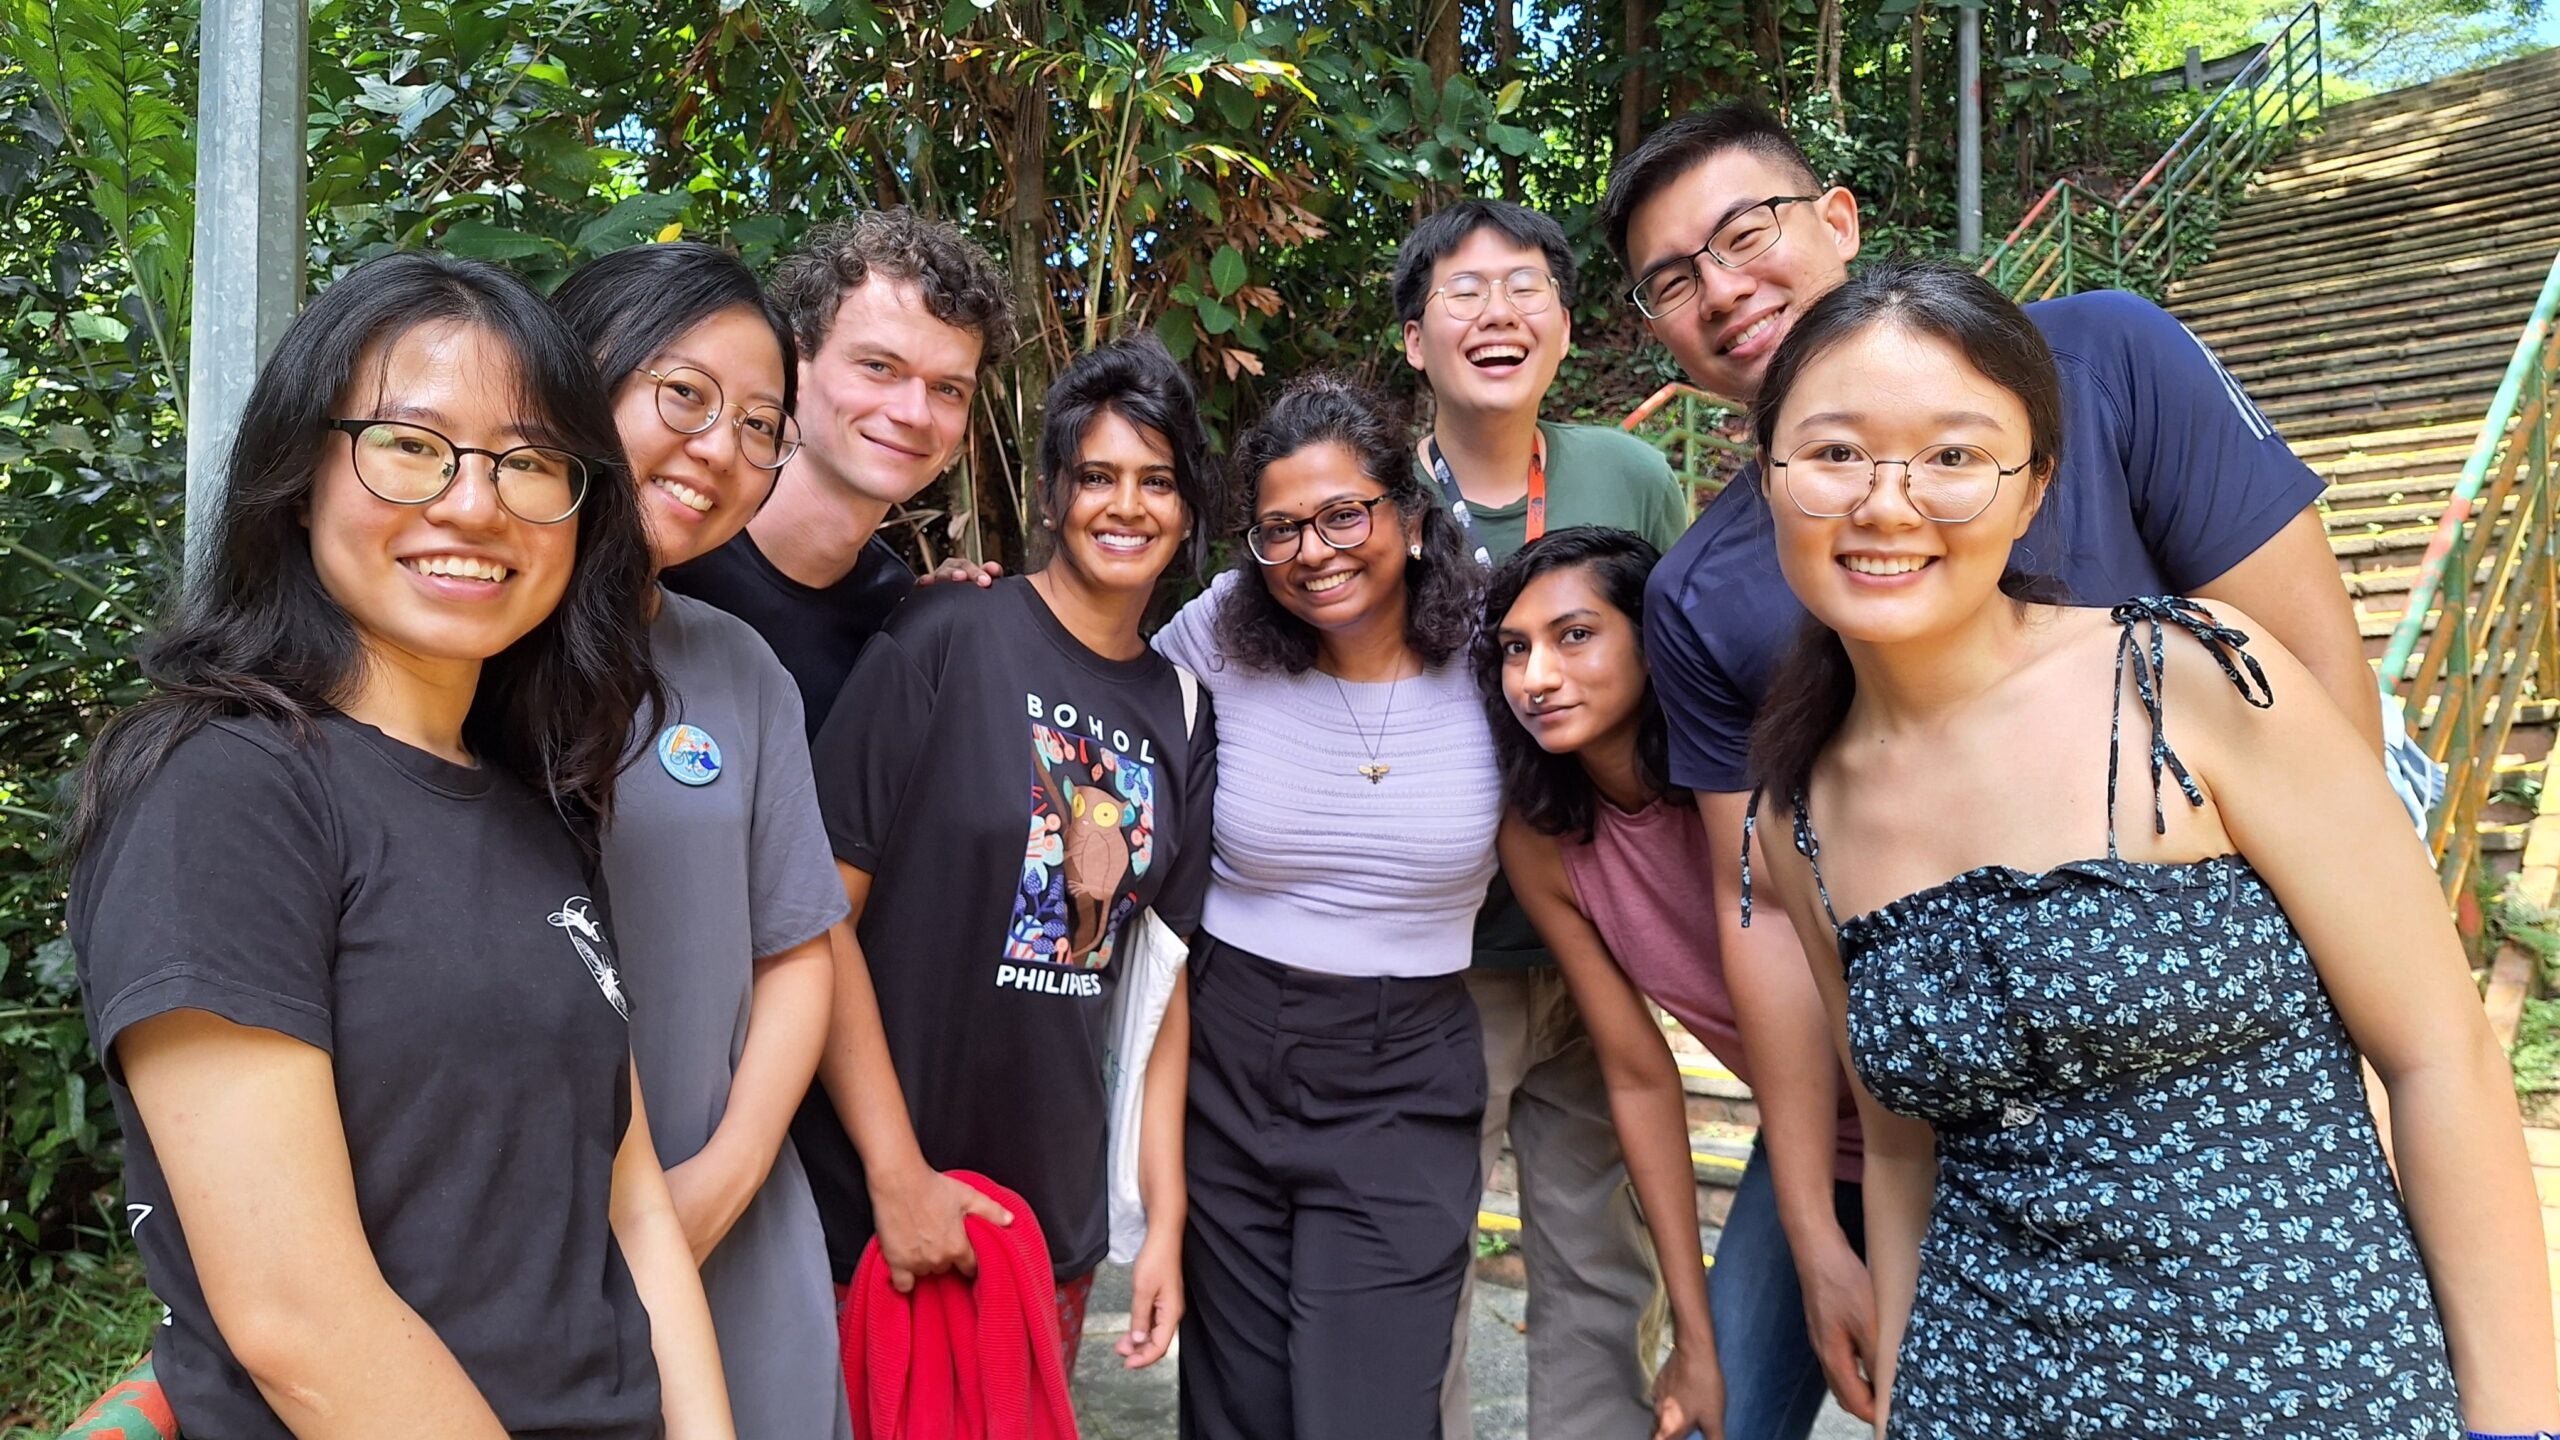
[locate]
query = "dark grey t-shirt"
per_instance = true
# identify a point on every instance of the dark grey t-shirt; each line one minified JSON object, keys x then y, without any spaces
{"x":436,"y":930}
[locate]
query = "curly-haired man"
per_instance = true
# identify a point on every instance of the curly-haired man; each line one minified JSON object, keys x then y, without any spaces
{"x":896,"y":317}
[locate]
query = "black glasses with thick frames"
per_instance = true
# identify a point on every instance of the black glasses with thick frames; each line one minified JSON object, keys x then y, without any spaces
{"x":1950,"y":484}
{"x":1341,"y":525}
{"x":409,"y":464}
{"x":1464,"y":297}
{"x":691,"y":401}
{"x":1737,"y":242}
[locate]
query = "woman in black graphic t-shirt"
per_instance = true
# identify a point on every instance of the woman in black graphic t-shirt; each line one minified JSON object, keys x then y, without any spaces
{"x":1007,"y":779}
{"x":333,"y":896}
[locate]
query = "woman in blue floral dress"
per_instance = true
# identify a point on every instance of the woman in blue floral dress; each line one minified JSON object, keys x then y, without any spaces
{"x":2122,"y":1179}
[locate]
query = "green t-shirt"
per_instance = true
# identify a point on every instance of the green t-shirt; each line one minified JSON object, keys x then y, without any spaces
{"x":1596,"y":475}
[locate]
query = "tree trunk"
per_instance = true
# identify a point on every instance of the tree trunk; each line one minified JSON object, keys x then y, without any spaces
{"x":1506,"y":49}
{"x":1636,"y":42}
{"x":1919,"y":103}
{"x":1443,"y":19}
{"x":1769,"y":48}
{"x":1827,"y":48}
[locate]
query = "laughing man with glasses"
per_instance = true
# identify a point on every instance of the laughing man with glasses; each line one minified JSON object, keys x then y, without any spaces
{"x":2170,"y":480}
{"x":1486,"y":291}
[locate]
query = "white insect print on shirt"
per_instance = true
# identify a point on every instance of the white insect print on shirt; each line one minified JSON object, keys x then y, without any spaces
{"x":585,"y":935}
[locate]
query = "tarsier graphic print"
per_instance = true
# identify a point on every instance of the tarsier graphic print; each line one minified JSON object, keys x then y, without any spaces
{"x":1092,"y":838}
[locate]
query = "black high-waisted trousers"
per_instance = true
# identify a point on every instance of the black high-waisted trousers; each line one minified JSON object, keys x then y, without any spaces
{"x":1331,"y":1151}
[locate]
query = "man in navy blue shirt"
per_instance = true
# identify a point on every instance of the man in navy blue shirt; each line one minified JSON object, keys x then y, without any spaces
{"x":2170,"y":481}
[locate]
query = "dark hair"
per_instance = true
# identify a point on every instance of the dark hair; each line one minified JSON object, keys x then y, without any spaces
{"x":1138,"y":380}
{"x":962,"y":286}
{"x":1441,"y":585}
{"x":1439,"y":236}
{"x":1813,"y":686}
{"x":1683,"y":145}
{"x":635,"y":302}
{"x":1554,"y":792}
{"x":256,"y":634}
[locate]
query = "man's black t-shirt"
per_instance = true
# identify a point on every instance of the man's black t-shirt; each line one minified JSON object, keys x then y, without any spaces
{"x":816,"y":632}
{"x":433,"y":928}
{"x":1016,"y":798}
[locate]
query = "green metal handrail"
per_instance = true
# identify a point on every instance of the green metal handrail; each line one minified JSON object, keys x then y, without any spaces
{"x":2074,"y":238}
{"x":2486,"y":600}
{"x":1680,"y":420}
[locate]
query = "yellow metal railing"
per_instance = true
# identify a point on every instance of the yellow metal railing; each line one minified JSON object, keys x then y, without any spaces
{"x":2490,"y":585}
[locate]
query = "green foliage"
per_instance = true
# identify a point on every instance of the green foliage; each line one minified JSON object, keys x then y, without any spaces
{"x":68,"y":1334}
{"x":2537,"y":1053}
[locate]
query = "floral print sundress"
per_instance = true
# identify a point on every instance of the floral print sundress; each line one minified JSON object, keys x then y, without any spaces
{"x":2161,"y":1206}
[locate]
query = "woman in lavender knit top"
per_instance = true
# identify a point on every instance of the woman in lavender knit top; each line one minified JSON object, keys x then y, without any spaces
{"x":1337,"y":1071}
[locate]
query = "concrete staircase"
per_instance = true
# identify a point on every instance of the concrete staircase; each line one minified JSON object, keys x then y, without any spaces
{"x":2368,"y":290}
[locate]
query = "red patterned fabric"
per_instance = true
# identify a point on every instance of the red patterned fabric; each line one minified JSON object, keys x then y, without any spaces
{"x":134,"y":1408}
{"x":959,"y":1359}
{"x":1072,"y":1296}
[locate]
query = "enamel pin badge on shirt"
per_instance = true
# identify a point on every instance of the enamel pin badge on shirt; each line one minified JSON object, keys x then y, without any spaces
{"x":690,"y":754}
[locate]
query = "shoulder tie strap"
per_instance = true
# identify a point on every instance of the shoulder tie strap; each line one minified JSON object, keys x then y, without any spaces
{"x":2149,"y":665}
{"x":1808,"y":844}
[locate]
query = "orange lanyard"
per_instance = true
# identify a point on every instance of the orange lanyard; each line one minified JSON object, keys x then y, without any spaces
{"x":1537,"y":519}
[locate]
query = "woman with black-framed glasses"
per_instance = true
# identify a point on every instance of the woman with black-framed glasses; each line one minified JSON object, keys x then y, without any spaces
{"x":1337,"y":1069}
{"x":343,"y":941}
{"x":717,"y":855}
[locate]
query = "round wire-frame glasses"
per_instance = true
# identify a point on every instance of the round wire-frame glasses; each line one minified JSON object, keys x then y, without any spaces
{"x":1465,"y":297}
{"x":1946,"y":483}
{"x":690,"y":402}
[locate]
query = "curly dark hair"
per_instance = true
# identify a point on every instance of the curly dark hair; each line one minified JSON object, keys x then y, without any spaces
{"x":1442,"y":585}
{"x":1553,"y":792}
{"x":962,"y":285}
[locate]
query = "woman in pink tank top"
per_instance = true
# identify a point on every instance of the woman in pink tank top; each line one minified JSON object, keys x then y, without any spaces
{"x":1610,"y":861}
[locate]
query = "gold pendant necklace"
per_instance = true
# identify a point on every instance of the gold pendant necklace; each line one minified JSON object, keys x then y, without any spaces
{"x":1376,"y":770}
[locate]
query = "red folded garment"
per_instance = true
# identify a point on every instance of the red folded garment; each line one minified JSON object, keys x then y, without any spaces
{"x":957,"y":1359}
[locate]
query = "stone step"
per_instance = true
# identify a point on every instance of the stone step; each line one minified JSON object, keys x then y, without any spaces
{"x":2420,"y":324}
{"x":2339,"y":161}
{"x":2329,"y":276}
{"x":2340,"y":448}
{"x":2380,"y":407}
{"x":2364,"y":216}
{"x":2387,"y":366}
{"x":2523,"y":76}
{"x":2510,"y":290}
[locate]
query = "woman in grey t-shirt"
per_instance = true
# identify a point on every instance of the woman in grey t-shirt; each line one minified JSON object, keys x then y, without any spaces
{"x":718,"y":866}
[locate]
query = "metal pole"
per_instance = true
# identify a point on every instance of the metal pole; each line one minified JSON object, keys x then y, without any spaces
{"x":249,"y":244}
{"x":1969,"y":130}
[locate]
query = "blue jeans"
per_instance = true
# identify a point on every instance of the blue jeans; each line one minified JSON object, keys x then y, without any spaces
{"x":1773,"y":1385}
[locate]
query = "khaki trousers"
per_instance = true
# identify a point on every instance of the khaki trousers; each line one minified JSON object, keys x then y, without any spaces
{"x":1596,"y":1308}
